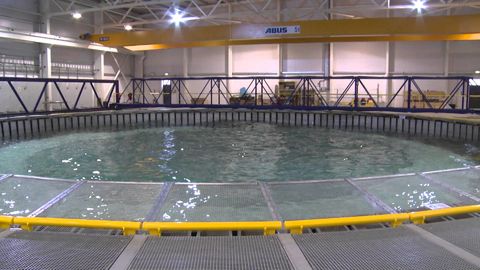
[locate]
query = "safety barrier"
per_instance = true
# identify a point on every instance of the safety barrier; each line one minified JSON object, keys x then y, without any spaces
{"x":6,"y":222}
{"x":419,"y":217}
{"x":267,"y":227}
{"x":412,"y":124}
{"x":297,"y":226}
{"x":27,"y":223}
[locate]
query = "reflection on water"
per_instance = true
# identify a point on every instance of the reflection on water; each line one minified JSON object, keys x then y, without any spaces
{"x":229,"y":152}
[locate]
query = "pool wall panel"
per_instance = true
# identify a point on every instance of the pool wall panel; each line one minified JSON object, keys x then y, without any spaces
{"x":34,"y":126}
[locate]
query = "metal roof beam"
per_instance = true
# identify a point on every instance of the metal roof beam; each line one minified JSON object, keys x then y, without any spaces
{"x":339,"y":10}
{"x":48,"y":39}
{"x":149,"y":3}
{"x":91,"y":6}
{"x":113,"y":7}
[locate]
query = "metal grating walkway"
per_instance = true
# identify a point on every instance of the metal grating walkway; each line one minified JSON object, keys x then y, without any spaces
{"x":376,"y":249}
{"x":248,"y":252}
{"x":216,"y":202}
{"x":386,"y":248}
{"x":206,"y":202}
{"x":39,"y":250}
{"x":463,"y":233}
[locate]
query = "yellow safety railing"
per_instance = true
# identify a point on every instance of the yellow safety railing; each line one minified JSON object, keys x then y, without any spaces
{"x":419,"y":217}
{"x":297,"y":226}
{"x":27,"y":223}
{"x":6,"y":222}
{"x":268,"y":227}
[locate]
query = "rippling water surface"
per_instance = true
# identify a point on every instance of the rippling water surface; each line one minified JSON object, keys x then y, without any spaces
{"x":229,"y":152}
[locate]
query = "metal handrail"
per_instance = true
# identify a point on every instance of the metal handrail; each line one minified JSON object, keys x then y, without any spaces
{"x":268,"y":227}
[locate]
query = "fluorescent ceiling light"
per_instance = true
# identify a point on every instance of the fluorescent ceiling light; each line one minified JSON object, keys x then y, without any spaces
{"x":77,"y":15}
{"x":177,"y":18}
{"x":128,"y":27}
{"x":477,"y":71}
{"x":419,"y":5}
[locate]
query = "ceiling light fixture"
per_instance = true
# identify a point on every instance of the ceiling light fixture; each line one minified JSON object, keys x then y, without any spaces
{"x":177,"y":18}
{"x":128,"y":27}
{"x":77,"y":15}
{"x":419,"y":5}
{"x":477,"y":71}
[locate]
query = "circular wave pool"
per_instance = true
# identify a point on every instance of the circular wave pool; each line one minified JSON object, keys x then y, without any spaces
{"x":229,"y":152}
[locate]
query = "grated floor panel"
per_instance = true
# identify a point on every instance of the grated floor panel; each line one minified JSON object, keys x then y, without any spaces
{"x":411,"y":193}
{"x":196,"y":202}
{"x":464,"y":233}
{"x":110,"y":201}
{"x":248,"y":252}
{"x":465,"y":180}
{"x":376,"y":249}
{"x":40,"y":250}
{"x":21,"y":196}
{"x":320,"y":200}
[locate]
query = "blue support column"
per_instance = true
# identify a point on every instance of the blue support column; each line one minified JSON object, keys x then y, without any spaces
{"x":355,"y":99}
{"x":466,"y":82}
{"x":409,"y":97}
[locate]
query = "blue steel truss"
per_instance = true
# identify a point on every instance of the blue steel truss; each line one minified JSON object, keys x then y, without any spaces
{"x":260,"y":93}
{"x":55,"y":82}
{"x":219,"y":95}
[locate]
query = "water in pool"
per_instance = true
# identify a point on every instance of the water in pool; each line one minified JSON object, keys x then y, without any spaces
{"x":229,"y":152}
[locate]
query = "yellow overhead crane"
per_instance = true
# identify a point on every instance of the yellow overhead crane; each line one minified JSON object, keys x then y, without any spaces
{"x":421,"y":28}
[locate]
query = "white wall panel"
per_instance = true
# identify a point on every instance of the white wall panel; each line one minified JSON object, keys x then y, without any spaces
{"x":71,"y":90}
{"x":419,"y":57}
{"x":464,"y":57}
{"x":29,"y":93}
{"x":157,"y":63}
{"x":12,"y":48}
{"x":255,"y":59}
{"x":72,"y":28}
{"x":303,"y":57}
{"x":72,"y":56}
{"x":126,"y":63}
{"x":18,"y":20}
{"x":359,"y":57}
{"x":206,"y":60}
